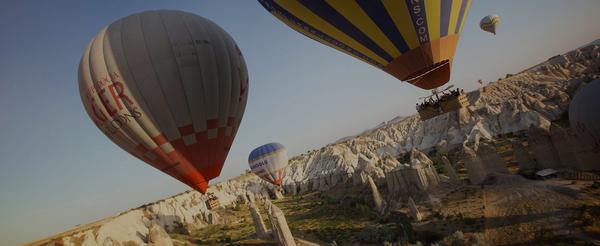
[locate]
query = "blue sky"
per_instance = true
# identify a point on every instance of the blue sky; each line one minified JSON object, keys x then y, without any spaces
{"x":57,"y":170}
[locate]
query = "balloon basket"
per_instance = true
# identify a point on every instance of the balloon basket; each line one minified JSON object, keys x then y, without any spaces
{"x":212,"y":202}
{"x":445,"y":104}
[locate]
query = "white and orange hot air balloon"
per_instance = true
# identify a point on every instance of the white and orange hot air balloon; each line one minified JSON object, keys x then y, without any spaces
{"x":170,"y":88}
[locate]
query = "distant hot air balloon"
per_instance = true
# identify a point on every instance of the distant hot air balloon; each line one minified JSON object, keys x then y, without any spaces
{"x":412,"y":40}
{"x":490,"y":23}
{"x":584,"y":113}
{"x":268,"y":162}
{"x":170,"y":88}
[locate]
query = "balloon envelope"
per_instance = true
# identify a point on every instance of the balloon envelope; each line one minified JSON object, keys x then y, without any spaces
{"x":490,"y":23}
{"x":584,"y":113}
{"x":268,"y":162}
{"x":411,"y":40}
{"x":169,"y":87}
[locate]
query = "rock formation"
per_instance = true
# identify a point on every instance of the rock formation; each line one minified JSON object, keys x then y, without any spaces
{"x":450,"y":170}
{"x":410,"y":179}
{"x":250,"y":196}
{"x":566,"y":146}
{"x":540,"y":144}
{"x":526,"y":164}
{"x":491,"y":159}
{"x":276,"y":192}
{"x":414,"y":212}
{"x":290,"y":188}
{"x":259,"y":225}
{"x":281,"y":231}
{"x":243,"y":199}
{"x":535,"y":97}
{"x":157,"y":236}
{"x":212,"y":218}
{"x":179,"y":213}
{"x":574,"y":150}
{"x":379,"y":202}
{"x":475,"y":168}
{"x":442,"y":147}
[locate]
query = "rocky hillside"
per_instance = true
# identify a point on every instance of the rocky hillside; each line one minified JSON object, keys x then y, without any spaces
{"x":536,"y":96}
{"x":179,"y":213}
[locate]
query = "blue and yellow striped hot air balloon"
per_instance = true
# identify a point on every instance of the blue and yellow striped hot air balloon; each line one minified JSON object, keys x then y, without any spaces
{"x":268,"y":162}
{"x":413,"y":40}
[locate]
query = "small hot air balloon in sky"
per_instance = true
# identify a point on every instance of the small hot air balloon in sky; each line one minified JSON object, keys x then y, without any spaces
{"x":268,"y":162}
{"x":412,"y":40}
{"x":490,"y":23}
{"x":170,"y":88}
{"x":584,"y":114}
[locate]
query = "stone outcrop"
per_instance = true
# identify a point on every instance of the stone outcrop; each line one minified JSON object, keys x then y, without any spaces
{"x":212,"y":218}
{"x":526,"y":164}
{"x":280,"y":229}
{"x":475,"y":168}
{"x":157,"y":236}
{"x":492,"y":161}
{"x":414,"y":212}
{"x":243,"y":199}
{"x":535,"y":97}
{"x":377,"y":199}
{"x":410,"y":179}
{"x":540,"y":144}
{"x":566,"y":146}
{"x":276,"y":192}
{"x":575,"y":151}
{"x":257,"y":221}
{"x":450,"y":170}
{"x":179,"y":213}
{"x":291,"y":188}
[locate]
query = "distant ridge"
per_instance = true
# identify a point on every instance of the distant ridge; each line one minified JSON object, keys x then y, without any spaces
{"x":380,"y":125}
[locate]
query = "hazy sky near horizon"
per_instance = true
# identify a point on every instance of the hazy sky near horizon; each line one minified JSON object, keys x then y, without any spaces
{"x":57,"y":170}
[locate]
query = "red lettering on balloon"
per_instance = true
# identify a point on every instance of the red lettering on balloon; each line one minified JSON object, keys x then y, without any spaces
{"x":117,"y":90}
{"x":111,"y":111}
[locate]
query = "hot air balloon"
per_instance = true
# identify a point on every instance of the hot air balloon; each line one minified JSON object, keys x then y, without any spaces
{"x":170,"y":88}
{"x":584,"y":114}
{"x":490,"y":23}
{"x":412,"y":40}
{"x":268,"y":162}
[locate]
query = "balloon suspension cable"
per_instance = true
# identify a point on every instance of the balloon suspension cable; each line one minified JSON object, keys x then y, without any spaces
{"x":436,"y":92}
{"x":437,"y":66}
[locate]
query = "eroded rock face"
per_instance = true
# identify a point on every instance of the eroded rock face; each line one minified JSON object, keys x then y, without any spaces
{"x":526,"y":164}
{"x":259,"y":225}
{"x":491,"y":159}
{"x":377,"y":199}
{"x":280,"y":229}
{"x":534,"y":97}
{"x":410,"y":179}
{"x":574,"y":150}
{"x":475,"y":167}
{"x":157,"y":236}
{"x":450,"y":170}
{"x":414,"y":212}
{"x":540,"y":144}
{"x":566,"y":146}
{"x":179,"y":213}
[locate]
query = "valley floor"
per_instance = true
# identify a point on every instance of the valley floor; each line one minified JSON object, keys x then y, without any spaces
{"x":510,"y":210}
